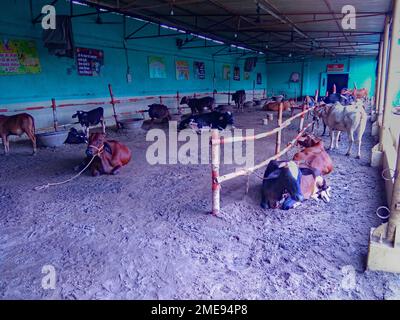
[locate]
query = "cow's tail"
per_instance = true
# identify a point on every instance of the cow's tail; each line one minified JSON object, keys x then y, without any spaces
{"x":363,"y":124}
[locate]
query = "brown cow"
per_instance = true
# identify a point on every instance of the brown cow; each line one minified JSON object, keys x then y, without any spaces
{"x":313,"y":154}
{"x":111,"y":155}
{"x":274,"y":106}
{"x":17,"y":125}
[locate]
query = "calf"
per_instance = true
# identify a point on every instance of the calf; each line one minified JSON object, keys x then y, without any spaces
{"x":285,"y":185}
{"x":17,"y":125}
{"x":110,"y":155}
{"x":350,"y":119}
{"x":313,"y":154}
{"x":214,"y":120}
{"x":199,"y":105}
{"x":159,"y":111}
{"x":91,"y":118}
{"x":274,"y":106}
{"x":239,"y":97}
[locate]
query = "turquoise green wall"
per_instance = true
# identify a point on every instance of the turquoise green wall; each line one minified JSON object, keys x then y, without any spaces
{"x":56,"y":81}
{"x":362,"y":71}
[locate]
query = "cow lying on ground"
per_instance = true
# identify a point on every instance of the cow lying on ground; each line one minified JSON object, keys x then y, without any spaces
{"x":350,"y":119}
{"x":239,"y":97}
{"x":274,"y":106}
{"x":214,"y":120}
{"x":286,"y":185}
{"x":160,"y":112}
{"x":110,"y":155}
{"x":313,"y":154}
{"x":91,"y":118}
{"x":17,"y":125}
{"x":199,"y":105}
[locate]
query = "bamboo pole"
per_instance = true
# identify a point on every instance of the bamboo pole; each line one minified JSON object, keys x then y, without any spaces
{"x":267,"y":134}
{"x":244,"y":172}
{"x":279,"y":134}
{"x":215,"y":161}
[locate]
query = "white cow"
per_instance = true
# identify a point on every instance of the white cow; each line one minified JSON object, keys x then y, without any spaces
{"x":339,"y":118}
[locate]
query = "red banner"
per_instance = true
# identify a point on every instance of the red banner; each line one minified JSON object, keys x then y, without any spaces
{"x":335,"y":67}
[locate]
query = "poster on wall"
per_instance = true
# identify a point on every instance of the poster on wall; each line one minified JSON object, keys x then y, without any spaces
{"x":226,"y":72}
{"x":157,"y":68}
{"x":18,"y":57}
{"x":236,"y":74}
{"x":89,"y":62}
{"x":182,"y":70}
{"x":199,"y":70}
{"x":336,"y":67}
{"x":259,"y":78}
{"x":247,"y":76}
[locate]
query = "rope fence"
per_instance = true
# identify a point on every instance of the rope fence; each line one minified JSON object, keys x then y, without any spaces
{"x":115,"y":102}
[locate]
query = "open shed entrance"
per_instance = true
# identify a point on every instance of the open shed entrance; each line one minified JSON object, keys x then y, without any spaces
{"x":341,"y":81}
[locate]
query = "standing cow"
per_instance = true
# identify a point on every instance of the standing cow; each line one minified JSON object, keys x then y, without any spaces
{"x":91,"y":118}
{"x":350,"y":119}
{"x":199,"y":105}
{"x":239,"y":97}
{"x":17,"y":125}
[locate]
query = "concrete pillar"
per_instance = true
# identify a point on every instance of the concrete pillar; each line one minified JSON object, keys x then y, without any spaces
{"x":393,"y":87}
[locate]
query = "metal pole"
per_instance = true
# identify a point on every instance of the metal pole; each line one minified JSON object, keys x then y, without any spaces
{"x":113,"y":106}
{"x":382,"y":89}
{"x":215,"y":159}
{"x":279,"y":134}
{"x":54,"y":107}
{"x":378,"y":79}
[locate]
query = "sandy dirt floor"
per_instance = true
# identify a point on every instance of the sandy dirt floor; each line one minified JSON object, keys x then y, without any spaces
{"x":147,"y":234}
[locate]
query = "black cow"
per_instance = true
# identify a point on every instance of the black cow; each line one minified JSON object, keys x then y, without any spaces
{"x":286,"y":185}
{"x":214,"y":120}
{"x":199,"y":105}
{"x":239,"y":97}
{"x":159,"y":111}
{"x":280,"y":178}
{"x":91,"y":118}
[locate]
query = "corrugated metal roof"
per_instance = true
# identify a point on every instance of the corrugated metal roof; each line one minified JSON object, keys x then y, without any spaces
{"x":275,"y":27}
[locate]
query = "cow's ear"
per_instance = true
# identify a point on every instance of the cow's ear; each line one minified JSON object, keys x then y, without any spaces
{"x":107,"y":147}
{"x":273,"y":175}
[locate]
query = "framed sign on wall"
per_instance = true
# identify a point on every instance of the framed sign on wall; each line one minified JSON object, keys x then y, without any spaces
{"x":18,"y":57}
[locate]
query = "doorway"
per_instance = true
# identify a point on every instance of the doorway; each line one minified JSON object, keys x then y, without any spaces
{"x":340,"y":80}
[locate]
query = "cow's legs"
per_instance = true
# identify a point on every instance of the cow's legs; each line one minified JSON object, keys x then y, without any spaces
{"x":351,"y":141}
{"x":103,"y":126}
{"x":337,"y":139}
{"x":332,"y":146}
{"x":360,"y":133}
{"x":32,"y":137}
{"x":3,"y":138}
{"x":6,"y":145}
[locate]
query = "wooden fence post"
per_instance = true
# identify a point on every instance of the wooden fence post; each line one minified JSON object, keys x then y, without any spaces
{"x":55,"y":120}
{"x":304,"y":107}
{"x":113,"y":106}
{"x":279,"y":134}
{"x":215,"y":159}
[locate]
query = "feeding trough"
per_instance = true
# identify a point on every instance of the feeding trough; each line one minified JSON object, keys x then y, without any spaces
{"x":52,"y":139}
{"x":132,"y":124}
